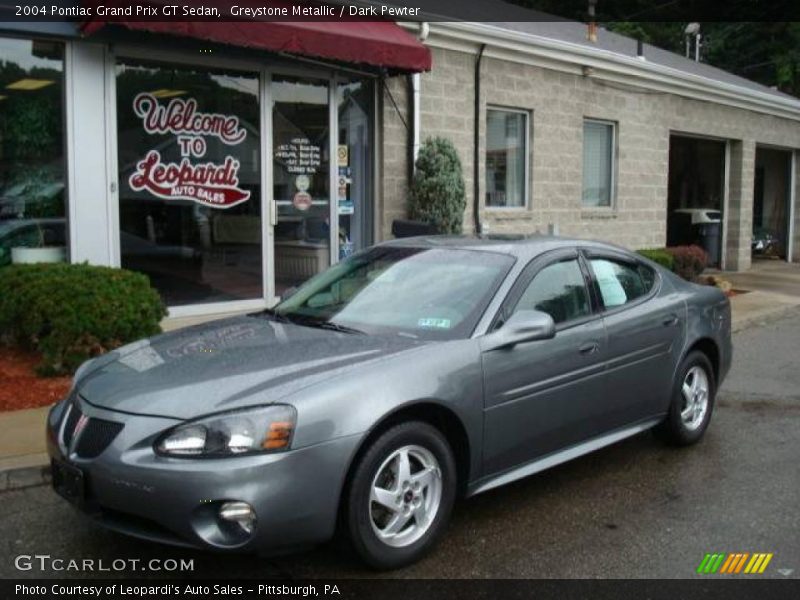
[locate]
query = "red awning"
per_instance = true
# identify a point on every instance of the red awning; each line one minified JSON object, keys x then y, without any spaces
{"x":374,"y":43}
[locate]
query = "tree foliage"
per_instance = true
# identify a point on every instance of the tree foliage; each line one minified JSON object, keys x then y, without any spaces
{"x":437,"y":191}
{"x":767,"y":52}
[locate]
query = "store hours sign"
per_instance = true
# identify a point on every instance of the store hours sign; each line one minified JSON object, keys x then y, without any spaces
{"x":210,"y":183}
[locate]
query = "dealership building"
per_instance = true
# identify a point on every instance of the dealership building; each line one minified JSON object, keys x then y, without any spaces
{"x":230,"y":161}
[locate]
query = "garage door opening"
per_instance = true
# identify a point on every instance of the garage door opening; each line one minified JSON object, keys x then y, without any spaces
{"x":771,"y":198}
{"x":696,"y":192}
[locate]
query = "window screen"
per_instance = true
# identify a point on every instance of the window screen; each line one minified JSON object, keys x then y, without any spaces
{"x":506,"y":156}
{"x":598,"y":163}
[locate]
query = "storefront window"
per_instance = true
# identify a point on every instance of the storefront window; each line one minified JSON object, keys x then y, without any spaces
{"x":32,"y":182}
{"x":301,"y":178}
{"x":354,"y":163}
{"x":190,"y":168}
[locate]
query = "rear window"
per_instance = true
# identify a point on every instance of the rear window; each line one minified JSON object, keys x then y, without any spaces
{"x":621,"y":282}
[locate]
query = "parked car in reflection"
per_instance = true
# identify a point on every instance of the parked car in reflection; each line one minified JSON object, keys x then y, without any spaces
{"x":405,"y":376}
{"x":33,"y":233}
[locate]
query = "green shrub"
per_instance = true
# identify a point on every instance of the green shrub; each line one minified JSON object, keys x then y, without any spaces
{"x":437,"y":192}
{"x":688,"y":261}
{"x":660,"y":256}
{"x":70,"y":313}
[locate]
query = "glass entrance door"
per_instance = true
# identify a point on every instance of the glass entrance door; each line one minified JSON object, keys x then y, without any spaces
{"x":301,"y":179}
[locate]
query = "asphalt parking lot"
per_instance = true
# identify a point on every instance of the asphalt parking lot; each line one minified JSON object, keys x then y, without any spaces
{"x":635,"y":510}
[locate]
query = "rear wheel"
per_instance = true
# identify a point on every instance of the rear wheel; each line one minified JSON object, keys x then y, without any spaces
{"x":401,"y":495}
{"x":692,"y":402}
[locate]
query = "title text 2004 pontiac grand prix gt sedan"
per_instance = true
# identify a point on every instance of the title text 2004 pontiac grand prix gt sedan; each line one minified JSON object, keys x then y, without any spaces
{"x":383,"y":388}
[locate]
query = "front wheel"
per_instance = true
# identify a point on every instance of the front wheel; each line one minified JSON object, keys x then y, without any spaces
{"x":692,"y":402}
{"x":401,"y":495}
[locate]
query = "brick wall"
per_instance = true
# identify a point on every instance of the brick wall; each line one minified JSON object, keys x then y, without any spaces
{"x":558,"y":102}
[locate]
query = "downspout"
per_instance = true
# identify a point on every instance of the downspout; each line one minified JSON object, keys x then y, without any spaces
{"x":416,"y":85}
{"x":414,"y":81}
{"x":476,"y":209}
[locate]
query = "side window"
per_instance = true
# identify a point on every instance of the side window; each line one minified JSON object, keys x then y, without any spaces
{"x":559,"y":290}
{"x":621,"y":282}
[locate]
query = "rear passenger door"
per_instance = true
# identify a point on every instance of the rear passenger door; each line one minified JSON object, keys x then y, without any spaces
{"x":543,"y":395}
{"x":644,"y":324}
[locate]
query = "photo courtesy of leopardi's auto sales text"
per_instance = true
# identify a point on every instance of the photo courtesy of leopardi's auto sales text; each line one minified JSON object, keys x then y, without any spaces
{"x":399,"y":299}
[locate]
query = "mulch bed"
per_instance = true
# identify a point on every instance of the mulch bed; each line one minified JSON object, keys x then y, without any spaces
{"x":21,"y":387}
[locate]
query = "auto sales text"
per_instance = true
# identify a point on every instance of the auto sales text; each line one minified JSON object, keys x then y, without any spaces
{"x":124,"y":589}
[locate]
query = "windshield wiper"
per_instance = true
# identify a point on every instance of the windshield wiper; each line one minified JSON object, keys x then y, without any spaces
{"x":309,"y":321}
{"x":337,"y":327}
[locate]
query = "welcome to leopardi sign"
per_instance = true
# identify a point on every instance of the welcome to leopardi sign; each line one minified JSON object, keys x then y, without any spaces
{"x":208,"y":183}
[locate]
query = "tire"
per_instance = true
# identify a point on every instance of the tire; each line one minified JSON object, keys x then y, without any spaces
{"x":389,"y":534}
{"x":682,"y":426}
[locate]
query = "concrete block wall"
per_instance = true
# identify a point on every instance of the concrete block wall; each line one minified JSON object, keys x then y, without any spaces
{"x":740,"y":205}
{"x":557,"y":103}
{"x":396,"y":117}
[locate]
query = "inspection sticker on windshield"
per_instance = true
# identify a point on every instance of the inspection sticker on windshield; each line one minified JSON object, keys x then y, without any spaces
{"x":434,"y":323}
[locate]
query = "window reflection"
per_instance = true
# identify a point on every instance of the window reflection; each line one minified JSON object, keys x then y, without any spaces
{"x":190,"y":194}
{"x":32,"y":190}
{"x":301,"y":179}
{"x":354,"y":166}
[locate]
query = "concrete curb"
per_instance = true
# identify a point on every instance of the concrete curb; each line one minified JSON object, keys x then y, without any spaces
{"x":24,"y":477}
{"x":762,"y":319}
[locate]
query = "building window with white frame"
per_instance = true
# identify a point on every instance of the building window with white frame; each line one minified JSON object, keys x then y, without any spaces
{"x":598,"y":162}
{"x":33,"y":193}
{"x":506,"y":158}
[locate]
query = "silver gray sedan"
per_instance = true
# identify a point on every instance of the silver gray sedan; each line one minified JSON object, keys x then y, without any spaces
{"x":405,"y":376}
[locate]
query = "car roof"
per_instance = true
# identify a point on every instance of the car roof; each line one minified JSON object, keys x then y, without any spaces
{"x":521,"y":245}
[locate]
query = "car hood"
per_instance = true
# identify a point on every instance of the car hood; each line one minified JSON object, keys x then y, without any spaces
{"x":225,"y":365}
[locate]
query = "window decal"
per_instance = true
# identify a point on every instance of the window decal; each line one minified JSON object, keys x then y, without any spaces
{"x":210,"y":184}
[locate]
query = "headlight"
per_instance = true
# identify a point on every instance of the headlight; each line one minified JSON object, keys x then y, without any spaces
{"x":262,"y":429}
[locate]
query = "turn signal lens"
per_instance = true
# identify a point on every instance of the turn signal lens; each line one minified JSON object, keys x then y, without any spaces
{"x":278,"y":435}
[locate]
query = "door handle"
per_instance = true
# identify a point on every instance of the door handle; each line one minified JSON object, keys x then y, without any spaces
{"x":589,"y":348}
{"x":670,"y":320}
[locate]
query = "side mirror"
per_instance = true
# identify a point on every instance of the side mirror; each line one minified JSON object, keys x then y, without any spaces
{"x":523,"y":326}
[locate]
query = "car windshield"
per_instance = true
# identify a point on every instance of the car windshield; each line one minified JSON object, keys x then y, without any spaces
{"x":428,"y":293}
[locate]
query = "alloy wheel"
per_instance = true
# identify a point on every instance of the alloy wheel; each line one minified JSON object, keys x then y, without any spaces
{"x":695,"y":391}
{"x":405,"y":496}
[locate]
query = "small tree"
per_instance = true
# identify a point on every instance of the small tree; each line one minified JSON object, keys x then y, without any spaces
{"x":437,"y":192}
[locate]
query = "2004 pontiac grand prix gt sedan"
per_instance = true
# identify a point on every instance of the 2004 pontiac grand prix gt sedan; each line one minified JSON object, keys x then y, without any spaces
{"x":408,"y":374}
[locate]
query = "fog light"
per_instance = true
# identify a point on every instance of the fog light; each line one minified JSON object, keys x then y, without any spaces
{"x":239,"y":512}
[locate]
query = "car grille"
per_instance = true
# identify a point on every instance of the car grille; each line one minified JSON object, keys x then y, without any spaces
{"x":96,"y":436}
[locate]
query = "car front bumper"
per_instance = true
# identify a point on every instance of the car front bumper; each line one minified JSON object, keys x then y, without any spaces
{"x":130,"y":489}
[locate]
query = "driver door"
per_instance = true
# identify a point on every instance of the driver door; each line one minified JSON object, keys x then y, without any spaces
{"x":544,"y":395}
